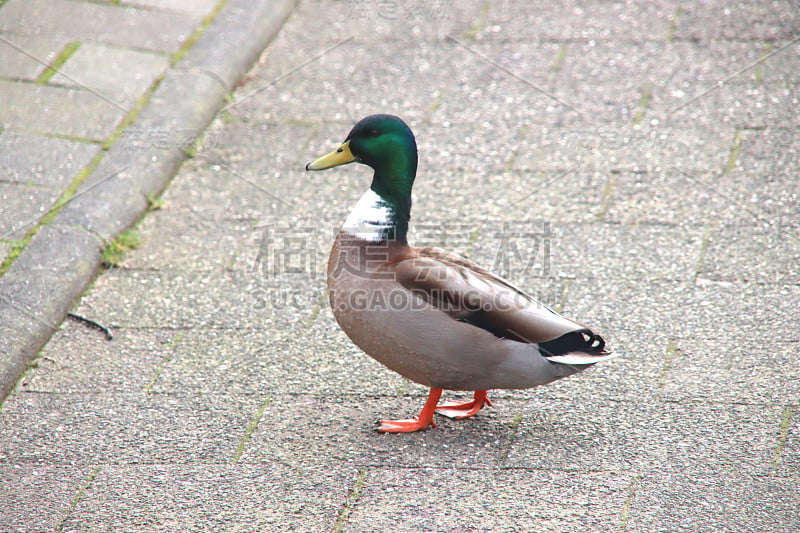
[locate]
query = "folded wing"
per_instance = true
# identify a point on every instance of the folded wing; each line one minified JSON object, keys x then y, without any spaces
{"x":469,"y":293}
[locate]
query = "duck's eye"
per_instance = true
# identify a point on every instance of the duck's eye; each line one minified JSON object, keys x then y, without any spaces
{"x":374,"y":133}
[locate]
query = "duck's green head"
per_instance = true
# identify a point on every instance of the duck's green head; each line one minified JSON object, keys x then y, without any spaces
{"x":385,"y":143}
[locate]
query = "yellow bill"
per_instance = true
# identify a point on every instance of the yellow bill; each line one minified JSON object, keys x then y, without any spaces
{"x":340,"y":156}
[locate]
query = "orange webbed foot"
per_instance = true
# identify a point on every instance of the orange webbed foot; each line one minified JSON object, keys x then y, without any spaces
{"x":423,"y":421}
{"x":460,"y":410}
{"x":406,"y":425}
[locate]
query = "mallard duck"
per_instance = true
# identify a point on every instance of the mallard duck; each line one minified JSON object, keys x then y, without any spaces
{"x":432,"y":316}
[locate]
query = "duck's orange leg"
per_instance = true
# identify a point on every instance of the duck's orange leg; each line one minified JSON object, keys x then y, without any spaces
{"x":408,"y":425}
{"x":465,"y":409}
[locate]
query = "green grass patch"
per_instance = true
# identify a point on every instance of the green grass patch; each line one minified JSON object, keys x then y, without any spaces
{"x":114,"y":251}
{"x":16,"y":249}
{"x":644,"y":101}
{"x":703,"y":250}
{"x":759,"y":73}
{"x":673,"y":24}
{"x":317,"y":309}
{"x":786,"y":419}
{"x":189,"y":43}
{"x":559,"y":61}
{"x":251,"y":427}
{"x":155,"y":202}
{"x":562,"y":298}
{"x":78,"y":496}
{"x":605,"y":199}
{"x":733,"y":155}
{"x":473,"y":238}
{"x":672,"y":353}
{"x":478,"y":25}
{"x":506,"y":448}
{"x":625,"y":513}
{"x":53,"y":68}
{"x":352,"y":498}
{"x":437,"y":101}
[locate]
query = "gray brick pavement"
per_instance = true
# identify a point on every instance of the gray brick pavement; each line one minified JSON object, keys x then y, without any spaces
{"x":229,"y":398}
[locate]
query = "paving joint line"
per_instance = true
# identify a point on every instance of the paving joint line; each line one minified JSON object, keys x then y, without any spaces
{"x":351,"y":501}
{"x":251,"y":428}
{"x":671,"y":354}
{"x":625,"y":513}
{"x":505,"y":449}
{"x":786,"y":419}
{"x":78,"y":496}
{"x":704,"y":244}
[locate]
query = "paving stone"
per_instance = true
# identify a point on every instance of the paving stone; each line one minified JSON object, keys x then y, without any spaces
{"x":780,"y":64}
{"x":675,"y":197}
{"x":347,"y":104}
{"x":37,"y":497}
{"x":264,"y":151}
{"x":81,"y":359}
{"x":766,"y":161}
{"x":569,"y":21}
{"x":732,"y":106}
{"x":461,"y":84}
{"x":433,"y":499}
{"x":589,"y":66}
{"x":23,"y":206}
{"x":55,"y":110}
{"x":197,"y":8}
{"x":706,"y":310}
{"x":17,"y":319}
{"x":689,"y":501}
{"x":236,"y":217}
{"x":525,"y":197}
{"x":730,"y":370}
{"x":39,"y":160}
{"x":272,"y":362}
{"x":717,"y":20}
{"x":737,"y":62}
{"x":203,"y":241}
{"x":36,"y":297}
{"x":27,"y":56}
{"x":119,"y":74}
{"x":585,"y":148}
{"x":146,"y":299}
{"x":210,"y":497}
{"x":651,"y":251}
{"x":54,"y":429}
{"x":753,"y":251}
{"x":665,"y":437}
{"x":29,"y":283}
{"x":35,"y":171}
{"x":411,"y":21}
{"x":342,"y":428}
{"x":115,"y":195}
{"x":132,"y":27}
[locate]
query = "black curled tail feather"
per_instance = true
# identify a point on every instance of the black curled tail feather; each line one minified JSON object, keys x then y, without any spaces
{"x":597,"y":344}
{"x":575,"y":341}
